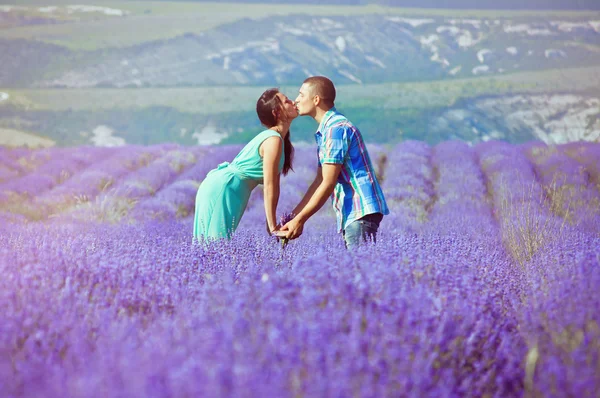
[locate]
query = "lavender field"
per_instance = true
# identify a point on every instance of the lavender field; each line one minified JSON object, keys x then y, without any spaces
{"x":484,"y":281}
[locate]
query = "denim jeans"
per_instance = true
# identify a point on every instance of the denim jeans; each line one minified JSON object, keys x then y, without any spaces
{"x":363,"y":229}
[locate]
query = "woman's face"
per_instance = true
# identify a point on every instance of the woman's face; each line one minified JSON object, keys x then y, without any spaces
{"x":288,"y":107}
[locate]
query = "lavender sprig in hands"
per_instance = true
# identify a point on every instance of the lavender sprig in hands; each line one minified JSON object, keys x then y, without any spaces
{"x":284,"y":219}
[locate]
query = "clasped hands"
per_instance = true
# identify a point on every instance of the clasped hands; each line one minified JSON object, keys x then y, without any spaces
{"x":291,"y":230}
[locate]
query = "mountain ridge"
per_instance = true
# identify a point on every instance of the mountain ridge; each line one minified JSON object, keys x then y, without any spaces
{"x":258,"y":52}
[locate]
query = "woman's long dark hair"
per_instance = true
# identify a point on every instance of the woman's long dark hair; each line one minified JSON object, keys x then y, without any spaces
{"x":266,"y":104}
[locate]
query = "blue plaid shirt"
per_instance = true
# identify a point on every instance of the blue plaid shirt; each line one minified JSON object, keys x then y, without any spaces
{"x":357,"y":192}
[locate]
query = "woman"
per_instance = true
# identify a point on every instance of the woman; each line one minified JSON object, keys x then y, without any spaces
{"x":223,"y":195}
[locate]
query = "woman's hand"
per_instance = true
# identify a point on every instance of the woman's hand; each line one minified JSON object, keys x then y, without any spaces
{"x":270,"y":229}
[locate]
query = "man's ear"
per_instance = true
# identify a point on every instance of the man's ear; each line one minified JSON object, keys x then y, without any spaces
{"x":316,"y":100}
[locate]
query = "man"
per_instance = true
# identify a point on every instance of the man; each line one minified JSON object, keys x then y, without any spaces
{"x":345,"y":171}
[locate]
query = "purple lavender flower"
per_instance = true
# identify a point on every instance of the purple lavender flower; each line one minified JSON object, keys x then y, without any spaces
{"x":440,"y":306}
{"x":284,"y":219}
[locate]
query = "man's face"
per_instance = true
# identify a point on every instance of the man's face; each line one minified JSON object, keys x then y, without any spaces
{"x":305,"y":100}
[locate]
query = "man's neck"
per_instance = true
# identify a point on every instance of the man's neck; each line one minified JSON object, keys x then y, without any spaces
{"x":320,"y":113}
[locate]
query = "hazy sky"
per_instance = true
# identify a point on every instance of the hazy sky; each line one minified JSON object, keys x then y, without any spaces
{"x":453,"y":4}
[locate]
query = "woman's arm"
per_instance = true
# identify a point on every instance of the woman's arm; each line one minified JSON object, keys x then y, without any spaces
{"x":271,"y":152}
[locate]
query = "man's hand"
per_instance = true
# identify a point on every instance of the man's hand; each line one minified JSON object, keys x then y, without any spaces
{"x":293,"y":228}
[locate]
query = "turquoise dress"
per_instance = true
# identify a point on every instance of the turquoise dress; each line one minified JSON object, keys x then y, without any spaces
{"x":223,"y":195}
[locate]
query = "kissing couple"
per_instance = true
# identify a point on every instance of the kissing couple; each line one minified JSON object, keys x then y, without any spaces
{"x":344,"y":173}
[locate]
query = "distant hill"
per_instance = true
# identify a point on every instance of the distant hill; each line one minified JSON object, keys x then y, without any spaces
{"x":189,"y":72}
{"x":263,"y":51}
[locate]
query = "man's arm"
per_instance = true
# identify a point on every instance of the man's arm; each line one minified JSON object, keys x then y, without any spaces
{"x":310,"y":192}
{"x":323,"y":191}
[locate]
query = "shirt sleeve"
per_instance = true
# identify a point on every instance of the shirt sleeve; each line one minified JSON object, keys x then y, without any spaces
{"x":335,"y":145}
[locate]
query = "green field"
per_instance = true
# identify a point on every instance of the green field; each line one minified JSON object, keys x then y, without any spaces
{"x":386,"y":113}
{"x":158,"y":20}
{"x":214,"y":100}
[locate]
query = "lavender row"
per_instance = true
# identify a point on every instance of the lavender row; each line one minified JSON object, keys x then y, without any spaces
{"x":559,"y":318}
{"x":560,"y":323}
{"x":91,"y":181}
{"x":588,"y":155}
{"x":177,"y":199}
{"x":556,"y":280}
{"x":61,"y":166}
{"x":461,"y":201}
{"x":138,"y":309}
{"x":6,"y":173}
{"x":568,"y":184}
{"x":18,"y":195}
{"x":408,"y":185}
{"x":23,"y":160}
{"x":520,"y":205}
{"x":436,"y":312}
{"x":148,"y":180}
{"x":116,"y":202}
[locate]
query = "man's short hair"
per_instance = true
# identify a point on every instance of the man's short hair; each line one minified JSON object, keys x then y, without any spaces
{"x":323,"y":87}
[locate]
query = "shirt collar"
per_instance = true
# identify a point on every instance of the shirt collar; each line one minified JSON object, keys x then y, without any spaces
{"x":326,"y":118}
